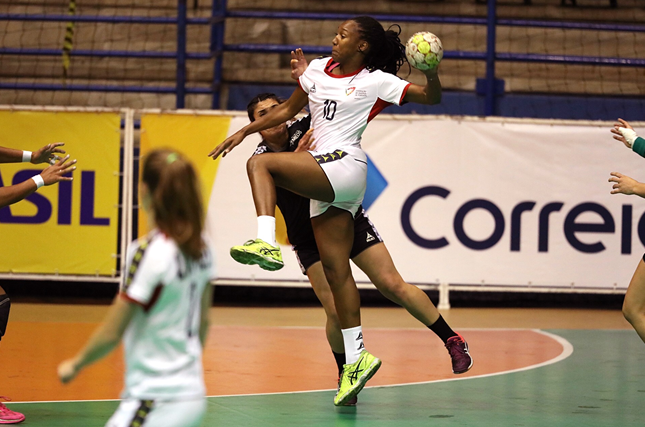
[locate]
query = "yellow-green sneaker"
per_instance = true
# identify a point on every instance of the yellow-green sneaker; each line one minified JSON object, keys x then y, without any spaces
{"x":258,"y":252}
{"x":355,"y":376}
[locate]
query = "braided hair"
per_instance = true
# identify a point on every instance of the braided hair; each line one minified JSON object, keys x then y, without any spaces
{"x":386,"y":52}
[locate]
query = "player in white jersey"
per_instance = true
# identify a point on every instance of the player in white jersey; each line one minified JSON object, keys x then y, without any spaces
{"x":343,"y":94}
{"x":161,"y":311}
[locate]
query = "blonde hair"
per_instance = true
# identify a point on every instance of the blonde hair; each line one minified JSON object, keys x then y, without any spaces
{"x":175,"y":199}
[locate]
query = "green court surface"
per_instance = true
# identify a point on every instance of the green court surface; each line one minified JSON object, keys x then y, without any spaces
{"x":601,"y":384}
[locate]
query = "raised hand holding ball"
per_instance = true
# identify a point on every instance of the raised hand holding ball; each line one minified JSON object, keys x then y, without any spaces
{"x":424,"y":51}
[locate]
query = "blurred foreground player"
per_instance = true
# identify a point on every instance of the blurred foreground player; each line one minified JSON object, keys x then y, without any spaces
{"x":161,"y":311}
{"x":14,"y":193}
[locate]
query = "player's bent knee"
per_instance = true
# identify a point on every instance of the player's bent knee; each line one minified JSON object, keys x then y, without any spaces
{"x":393,"y":289}
{"x":253,"y":164}
{"x":5,"y":306}
{"x":336,"y":277}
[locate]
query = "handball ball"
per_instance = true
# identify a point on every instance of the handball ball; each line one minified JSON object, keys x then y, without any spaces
{"x":424,"y":50}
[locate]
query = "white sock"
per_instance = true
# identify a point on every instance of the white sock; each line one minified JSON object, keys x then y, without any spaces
{"x":353,"y":339}
{"x":266,"y":229}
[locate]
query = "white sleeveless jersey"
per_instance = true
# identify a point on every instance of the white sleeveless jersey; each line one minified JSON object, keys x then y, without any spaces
{"x":163,"y":352}
{"x":341,"y":106}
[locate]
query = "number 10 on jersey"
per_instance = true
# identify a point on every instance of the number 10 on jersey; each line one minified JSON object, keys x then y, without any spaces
{"x":329,"y":110}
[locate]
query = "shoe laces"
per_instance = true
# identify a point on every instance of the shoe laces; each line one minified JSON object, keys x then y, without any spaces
{"x":2,"y":406}
{"x":454,"y":343}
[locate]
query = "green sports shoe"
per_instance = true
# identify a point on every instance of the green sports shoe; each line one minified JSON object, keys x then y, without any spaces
{"x":355,"y":376}
{"x":258,"y":252}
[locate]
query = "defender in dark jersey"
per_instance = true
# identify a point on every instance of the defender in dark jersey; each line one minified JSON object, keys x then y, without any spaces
{"x":368,"y":252}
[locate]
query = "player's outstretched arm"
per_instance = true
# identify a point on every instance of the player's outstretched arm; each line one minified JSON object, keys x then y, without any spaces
{"x":280,"y":114}
{"x":11,"y":155}
{"x":49,"y":176}
{"x":15,"y":193}
{"x":624,"y":133}
{"x":429,"y":94}
{"x":45,"y":154}
{"x":626,"y":185}
{"x":105,"y":338}
{"x":48,"y":154}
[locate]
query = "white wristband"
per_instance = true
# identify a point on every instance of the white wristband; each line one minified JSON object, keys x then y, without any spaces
{"x":629,"y":135}
{"x":38,"y":180}
{"x":26,"y":156}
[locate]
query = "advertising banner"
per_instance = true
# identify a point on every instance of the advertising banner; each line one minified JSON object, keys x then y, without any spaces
{"x":70,"y":227}
{"x":193,"y":136}
{"x":477,"y":202}
{"x":506,"y":203}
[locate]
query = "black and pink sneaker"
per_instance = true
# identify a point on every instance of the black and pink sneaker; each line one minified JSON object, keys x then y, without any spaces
{"x":458,"y":349}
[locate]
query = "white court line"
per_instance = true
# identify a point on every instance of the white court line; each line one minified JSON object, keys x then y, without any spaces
{"x":567,"y":350}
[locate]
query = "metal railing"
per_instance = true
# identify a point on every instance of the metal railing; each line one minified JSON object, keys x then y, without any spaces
{"x":219,"y":14}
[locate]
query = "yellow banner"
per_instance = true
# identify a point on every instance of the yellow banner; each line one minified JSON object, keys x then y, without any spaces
{"x":69,"y":227}
{"x":193,"y":136}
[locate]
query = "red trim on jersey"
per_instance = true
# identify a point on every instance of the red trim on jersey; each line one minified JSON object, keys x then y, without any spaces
{"x":330,"y":67}
{"x":405,"y":91}
{"x":328,"y":70}
{"x":130,"y":299}
{"x":153,"y":299}
{"x":379,"y":106}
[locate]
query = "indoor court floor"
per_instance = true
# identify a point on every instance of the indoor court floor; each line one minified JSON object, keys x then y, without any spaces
{"x":272,"y":367}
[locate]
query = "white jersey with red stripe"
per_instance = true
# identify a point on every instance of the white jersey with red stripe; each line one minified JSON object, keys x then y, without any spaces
{"x":342,"y":106}
{"x":163,"y":351}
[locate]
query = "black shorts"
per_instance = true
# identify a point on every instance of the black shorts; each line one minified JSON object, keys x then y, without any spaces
{"x":365,"y":235}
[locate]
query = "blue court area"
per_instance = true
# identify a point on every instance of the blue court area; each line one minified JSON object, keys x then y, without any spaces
{"x":602,"y":383}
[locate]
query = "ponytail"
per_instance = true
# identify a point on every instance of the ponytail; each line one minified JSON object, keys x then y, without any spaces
{"x":176,"y":199}
{"x":386,"y":52}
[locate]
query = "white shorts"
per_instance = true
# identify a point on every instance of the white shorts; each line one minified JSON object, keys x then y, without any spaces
{"x":155,"y":413}
{"x":346,"y":170}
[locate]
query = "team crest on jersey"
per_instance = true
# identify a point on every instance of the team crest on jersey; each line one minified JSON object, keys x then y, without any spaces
{"x":330,"y":157}
{"x":313,"y":88}
{"x":349,"y":90}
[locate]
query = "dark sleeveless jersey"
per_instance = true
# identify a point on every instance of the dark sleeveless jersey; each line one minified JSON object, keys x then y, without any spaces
{"x":294,"y":208}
